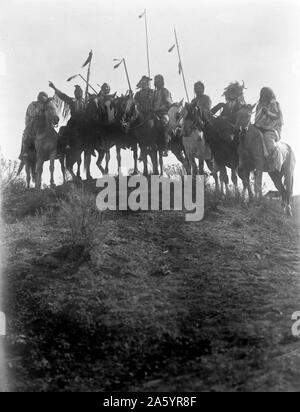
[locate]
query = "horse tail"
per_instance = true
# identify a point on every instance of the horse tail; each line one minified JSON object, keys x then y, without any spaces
{"x":289,"y":171}
{"x":21,"y":167}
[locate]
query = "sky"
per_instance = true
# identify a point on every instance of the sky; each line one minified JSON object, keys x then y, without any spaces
{"x":255,"y":41}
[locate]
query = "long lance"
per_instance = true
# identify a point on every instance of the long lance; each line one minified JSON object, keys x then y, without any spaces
{"x":88,"y":84}
{"x":147,"y":40}
{"x":88,"y":76}
{"x":181,"y":66}
{"x":120,"y":61}
{"x":126,"y":71}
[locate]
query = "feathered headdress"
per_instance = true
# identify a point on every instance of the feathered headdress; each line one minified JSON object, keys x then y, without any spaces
{"x":234,"y":89}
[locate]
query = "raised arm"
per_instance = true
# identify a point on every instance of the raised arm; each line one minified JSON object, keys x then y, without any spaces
{"x":61,"y":95}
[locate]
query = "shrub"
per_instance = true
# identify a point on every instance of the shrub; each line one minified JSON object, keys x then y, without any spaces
{"x":10,"y":183}
{"x":79,"y":215}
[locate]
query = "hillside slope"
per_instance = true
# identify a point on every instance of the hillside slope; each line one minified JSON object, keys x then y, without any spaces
{"x":146,"y":301}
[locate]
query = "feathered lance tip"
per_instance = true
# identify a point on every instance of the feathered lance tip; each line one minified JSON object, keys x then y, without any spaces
{"x":72,"y":77}
{"x":118,"y":64}
{"x":88,"y":60}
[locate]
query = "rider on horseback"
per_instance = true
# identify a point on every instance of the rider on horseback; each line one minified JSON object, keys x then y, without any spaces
{"x":105,"y":101}
{"x":34,"y":112}
{"x":269,"y":120}
{"x":234,"y":96}
{"x":77,"y":107}
{"x":161,"y":103}
{"x":202,"y":102}
{"x":143,"y":98}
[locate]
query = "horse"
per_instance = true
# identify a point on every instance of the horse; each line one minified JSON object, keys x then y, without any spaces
{"x":107,"y":133}
{"x":176,"y":114}
{"x":43,"y":147}
{"x":223,"y":140}
{"x":195,"y":145}
{"x":252,"y":158}
{"x":30,"y":163}
{"x":149,"y":133}
{"x":45,"y":142}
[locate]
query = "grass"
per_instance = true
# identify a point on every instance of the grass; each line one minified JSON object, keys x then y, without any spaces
{"x":123,"y":300}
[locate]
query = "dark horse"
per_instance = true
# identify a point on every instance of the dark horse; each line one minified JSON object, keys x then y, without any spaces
{"x":217,"y":134}
{"x":223,"y":141}
{"x":103,"y":134}
{"x":149,"y":132}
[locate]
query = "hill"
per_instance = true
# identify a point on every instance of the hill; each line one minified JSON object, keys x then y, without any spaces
{"x":144,"y":300}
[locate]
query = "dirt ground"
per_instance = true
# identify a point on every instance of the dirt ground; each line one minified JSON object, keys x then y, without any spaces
{"x":155,"y":303}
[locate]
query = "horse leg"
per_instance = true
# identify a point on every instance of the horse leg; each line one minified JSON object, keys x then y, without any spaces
{"x":119,"y":160}
{"x":224,"y":179}
{"x":145,"y":162}
{"x":201,"y":167}
{"x":234,"y":179}
{"x":28,"y":176}
{"x":161,"y":162}
{"x":101,"y":155}
{"x":107,"y":159}
{"x":51,"y":168}
{"x":188,"y":166}
{"x":194,"y":166}
{"x":39,"y":172}
{"x":182,"y":159}
{"x":63,"y":168}
{"x":153,"y":155}
{"x":289,"y":183}
{"x":79,"y":161}
{"x":87,"y":165}
{"x":135,"y":159}
{"x":71,"y":158}
{"x":211,"y":165}
{"x":277,"y":180}
{"x":258,"y":184}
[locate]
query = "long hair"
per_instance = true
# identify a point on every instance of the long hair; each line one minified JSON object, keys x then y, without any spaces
{"x":266,"y":95}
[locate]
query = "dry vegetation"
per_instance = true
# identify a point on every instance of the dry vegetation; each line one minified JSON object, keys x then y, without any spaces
{"x":145,"y":301}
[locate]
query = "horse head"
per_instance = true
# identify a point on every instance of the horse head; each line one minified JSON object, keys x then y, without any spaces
{"x":192,"y":117}
{"x":127,"y":111}
{"x":176,"y":114}
{"x":51,"y":116}
{"x":243,"y":118}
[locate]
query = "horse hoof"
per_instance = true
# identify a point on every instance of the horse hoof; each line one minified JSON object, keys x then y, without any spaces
{"x":288,"y":211}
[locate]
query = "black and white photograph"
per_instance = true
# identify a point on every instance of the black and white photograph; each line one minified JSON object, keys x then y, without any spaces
{"x":150,"y":198}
